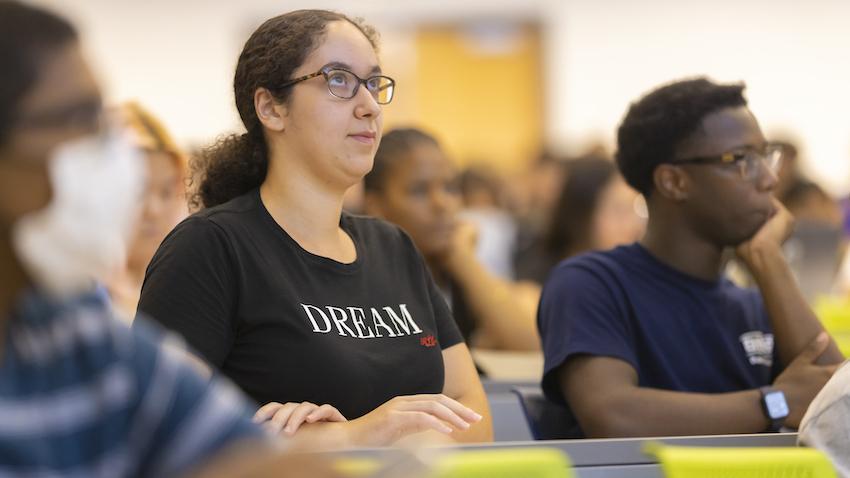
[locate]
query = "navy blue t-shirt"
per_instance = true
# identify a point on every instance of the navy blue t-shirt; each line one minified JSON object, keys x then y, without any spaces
{"x":678,"y":332}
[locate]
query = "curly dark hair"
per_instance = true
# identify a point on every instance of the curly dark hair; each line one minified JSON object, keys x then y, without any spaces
{"x":394,"y":143}
{"x":658,"y":122}
{"x":27,"y":35}
{"x":235,"y":164}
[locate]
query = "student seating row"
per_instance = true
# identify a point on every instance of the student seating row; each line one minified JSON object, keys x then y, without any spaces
{"x":521,"y":412}
{"x":524,"y":420}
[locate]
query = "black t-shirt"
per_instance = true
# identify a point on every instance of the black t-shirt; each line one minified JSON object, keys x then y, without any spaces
{"x":287,"y":325}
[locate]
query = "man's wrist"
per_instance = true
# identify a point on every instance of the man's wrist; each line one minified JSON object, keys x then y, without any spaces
{"x":759,"y":256}
{"x":775,"y":407}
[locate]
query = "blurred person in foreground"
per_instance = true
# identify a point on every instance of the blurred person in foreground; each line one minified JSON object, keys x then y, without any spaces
{"x":80,"y":393}
{"x":825,"y":424}
{"x":650,"y":339}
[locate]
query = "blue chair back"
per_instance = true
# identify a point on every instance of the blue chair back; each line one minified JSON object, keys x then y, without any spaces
{"x":546,"y":419}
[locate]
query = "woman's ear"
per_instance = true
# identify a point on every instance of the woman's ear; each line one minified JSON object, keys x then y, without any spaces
{"x":671,"y":182}
{"x":270,"y":112}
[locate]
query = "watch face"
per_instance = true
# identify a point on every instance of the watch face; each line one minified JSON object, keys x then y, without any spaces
{"x":776,"y":405}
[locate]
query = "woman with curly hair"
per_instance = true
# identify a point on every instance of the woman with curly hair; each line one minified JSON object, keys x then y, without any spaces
{"x":307,"y":308}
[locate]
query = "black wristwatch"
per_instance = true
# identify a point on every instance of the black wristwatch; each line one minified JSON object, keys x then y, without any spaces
{"x":774,"y":406}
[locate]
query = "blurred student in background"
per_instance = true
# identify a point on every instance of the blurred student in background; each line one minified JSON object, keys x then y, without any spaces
{"x":485,"y":205}
{"x":596,"y":211}
{"x":815,"y":248}
{"x":415,"y":185}
{"x":163,"y":204}
{"x":789,"y":171}
{"x":534,"y":193}
{"x":809,"y":202}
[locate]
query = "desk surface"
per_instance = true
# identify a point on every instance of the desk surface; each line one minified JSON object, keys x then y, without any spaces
{"x":492,"y":386}
{"x":629,"y":451}
{"x":510,"y":365}
{"x":608,"y":458}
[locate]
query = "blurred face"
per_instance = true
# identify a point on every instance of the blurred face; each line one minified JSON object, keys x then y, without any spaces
{"x":788,"y":172}
{"x":615,"y":221}
{"x":64,"y":104}
{"x":421,"y":195}
{"x":722,"y":205}
{"x":164,"y":204}
{"x":337,"y":138}
{"x":818,"y":207}
{"x":546,"y":184}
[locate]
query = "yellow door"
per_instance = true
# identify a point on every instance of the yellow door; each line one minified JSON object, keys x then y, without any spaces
{"x":478,"y":88}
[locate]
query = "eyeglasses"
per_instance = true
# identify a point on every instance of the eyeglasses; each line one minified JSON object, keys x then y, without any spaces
{"x":748,"y":161}
{"x":345,"y":84}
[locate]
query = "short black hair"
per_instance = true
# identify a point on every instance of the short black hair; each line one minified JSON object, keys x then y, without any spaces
{"x":393,"y":144}
{"x":658,"y":122}
{"x":27,"y":35}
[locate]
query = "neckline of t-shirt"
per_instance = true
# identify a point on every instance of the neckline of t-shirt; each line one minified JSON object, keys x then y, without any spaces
{"x":706,"y":284}
{"x":344,"y":223}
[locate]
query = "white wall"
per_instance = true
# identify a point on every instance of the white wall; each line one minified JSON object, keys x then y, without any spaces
{"x":177,"y":57}
{"x":793,"y":55}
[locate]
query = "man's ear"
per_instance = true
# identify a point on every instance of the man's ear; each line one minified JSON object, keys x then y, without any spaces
{"x":271,"y":113}
{"x":671,"y":182}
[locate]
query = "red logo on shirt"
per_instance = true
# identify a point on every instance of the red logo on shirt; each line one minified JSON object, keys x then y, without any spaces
{"x":428,"y":341}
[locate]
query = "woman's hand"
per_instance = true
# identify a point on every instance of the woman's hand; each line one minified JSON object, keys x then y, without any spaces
{"x":288,"y":417}
{"x":406,"y":415}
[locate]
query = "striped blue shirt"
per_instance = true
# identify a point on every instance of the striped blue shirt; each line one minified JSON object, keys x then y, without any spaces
{"x":82,"y":395}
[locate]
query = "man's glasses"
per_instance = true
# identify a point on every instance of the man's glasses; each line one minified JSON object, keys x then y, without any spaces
{"x":748,"y":161}
{"x":345,"y":84}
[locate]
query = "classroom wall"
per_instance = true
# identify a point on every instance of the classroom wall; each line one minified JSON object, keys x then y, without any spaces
{"x":598,"y":55}
{"x":793,"y":56}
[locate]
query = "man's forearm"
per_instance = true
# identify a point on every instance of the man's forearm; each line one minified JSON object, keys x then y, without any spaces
{"x":652,"y":412}
{"x":794,"y":323}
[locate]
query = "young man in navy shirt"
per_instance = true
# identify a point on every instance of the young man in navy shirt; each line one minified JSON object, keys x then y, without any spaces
{"x":651,"y":339}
